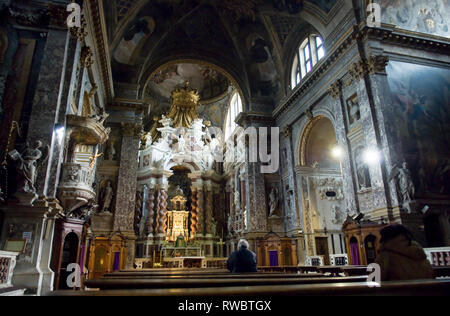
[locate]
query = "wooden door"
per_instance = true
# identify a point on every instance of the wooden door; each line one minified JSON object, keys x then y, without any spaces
{"x":322,"y":249}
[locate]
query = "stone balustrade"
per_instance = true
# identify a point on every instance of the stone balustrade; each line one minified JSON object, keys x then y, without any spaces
{"x":315,"y":261}
{"x":7,"y":265}
{"x":439,"y":257}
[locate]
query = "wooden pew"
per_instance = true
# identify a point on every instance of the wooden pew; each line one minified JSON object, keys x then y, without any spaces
{"x":395,"y":288}
{"x":212,"y":276}
{"x":139,"y":283}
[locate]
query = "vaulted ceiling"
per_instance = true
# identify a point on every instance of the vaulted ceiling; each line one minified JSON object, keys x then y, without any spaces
{"x":244,"y":41}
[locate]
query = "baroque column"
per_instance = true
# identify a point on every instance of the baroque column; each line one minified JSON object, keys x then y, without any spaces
{"x":194,"y":213}
{"x":149,"y":224}
{"x":127,"y":186}
{"x":198,"y":185}
{"x":208,"y":208}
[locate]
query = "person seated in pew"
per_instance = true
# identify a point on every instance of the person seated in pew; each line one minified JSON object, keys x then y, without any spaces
{"x":400,"y":257}
{"x":243,"y":260}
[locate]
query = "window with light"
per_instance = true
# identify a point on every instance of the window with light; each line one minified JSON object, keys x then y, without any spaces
{"x":233,"y":111}
{"x":310,"y":52}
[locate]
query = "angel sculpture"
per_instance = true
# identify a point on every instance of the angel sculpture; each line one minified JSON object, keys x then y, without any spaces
{"x":27,"y":164}
{"x":404,"y":183}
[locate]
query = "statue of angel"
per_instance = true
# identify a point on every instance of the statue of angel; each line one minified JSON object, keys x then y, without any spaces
{"x":27,"y":164}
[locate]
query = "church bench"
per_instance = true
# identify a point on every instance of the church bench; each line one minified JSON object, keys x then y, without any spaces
{"x":441,"y":272}
{"x":106,"y":284}
{"x":355,"y":270}
{"x":214,"y":276}
{"x":394,"y":288}
{"x":280,"y":269}
{"x":308,"y":269}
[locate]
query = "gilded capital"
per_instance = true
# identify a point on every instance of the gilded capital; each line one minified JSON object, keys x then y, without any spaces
{"x":377,"y":64}
{"x":335,"y":89}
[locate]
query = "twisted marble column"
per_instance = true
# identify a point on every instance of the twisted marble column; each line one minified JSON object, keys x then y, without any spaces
{"x":138,"y":212}
{"x":151,"y":212}
{"x":208,"y":211}
{"x":194,"y":213}
{"x":200,"y":213}
{"x":162,"y":225}
{"x":157,"y":212}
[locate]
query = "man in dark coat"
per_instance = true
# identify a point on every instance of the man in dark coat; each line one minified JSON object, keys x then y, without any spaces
{"x":400,"y":257}
{"x":243,"y":260}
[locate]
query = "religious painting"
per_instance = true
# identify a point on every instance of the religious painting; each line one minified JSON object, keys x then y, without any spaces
{"x":421,"y":104}
{"x":133,"y":40}
{"x":424,"y":16}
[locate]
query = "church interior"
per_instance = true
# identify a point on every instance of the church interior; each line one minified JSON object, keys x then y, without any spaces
{"x":143,"y":139}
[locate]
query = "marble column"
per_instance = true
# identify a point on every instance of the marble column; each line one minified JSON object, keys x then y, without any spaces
{"x":162,"y":218}
{"x":50,"y":106}
{"x":208,"y":208}
{"x":126,"y":188}
{"x":150,"y":229}
{"x":194,"y":213}
{"x":256,"y":198}
{"x":201,"y":209}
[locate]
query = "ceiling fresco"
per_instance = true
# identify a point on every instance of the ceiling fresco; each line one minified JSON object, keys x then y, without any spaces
{"x":209,"y":82}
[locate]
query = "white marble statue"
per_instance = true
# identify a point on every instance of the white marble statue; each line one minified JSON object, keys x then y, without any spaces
{"x":106,"y":198}
{"x":26,"y":165}
{"x":237,"y":199}
{"x":181,"y":144}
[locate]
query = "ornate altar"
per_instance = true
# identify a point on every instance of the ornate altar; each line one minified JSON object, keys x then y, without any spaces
{"x":178,"y":218}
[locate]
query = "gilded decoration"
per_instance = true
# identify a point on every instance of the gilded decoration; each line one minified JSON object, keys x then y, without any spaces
{"x":335,"y":89}
{"x":184,"y":107}
{"x":87,"y":58}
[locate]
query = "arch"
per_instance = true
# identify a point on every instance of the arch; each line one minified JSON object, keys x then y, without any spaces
{"x":308,"y":54}
{"x":204,"y":60}
{"x":306,"y":135}
{"x":192,"y":166}
{"x":69,"y":255}
{"x":294,"y":40}
{"x":354,"y":251}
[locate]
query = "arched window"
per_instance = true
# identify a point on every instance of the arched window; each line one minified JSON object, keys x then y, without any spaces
{"x":233,"y":111}
{"x":308,"y":55}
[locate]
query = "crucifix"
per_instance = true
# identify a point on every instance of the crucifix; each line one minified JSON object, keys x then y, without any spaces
{"x":93,"y":159}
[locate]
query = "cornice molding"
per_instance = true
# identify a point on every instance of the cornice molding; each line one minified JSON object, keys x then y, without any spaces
{"x":97,"y":19}
{"x":374,"y":65}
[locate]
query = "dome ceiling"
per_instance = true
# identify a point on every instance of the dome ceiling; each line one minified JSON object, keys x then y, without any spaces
{"x":210,"y":83}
